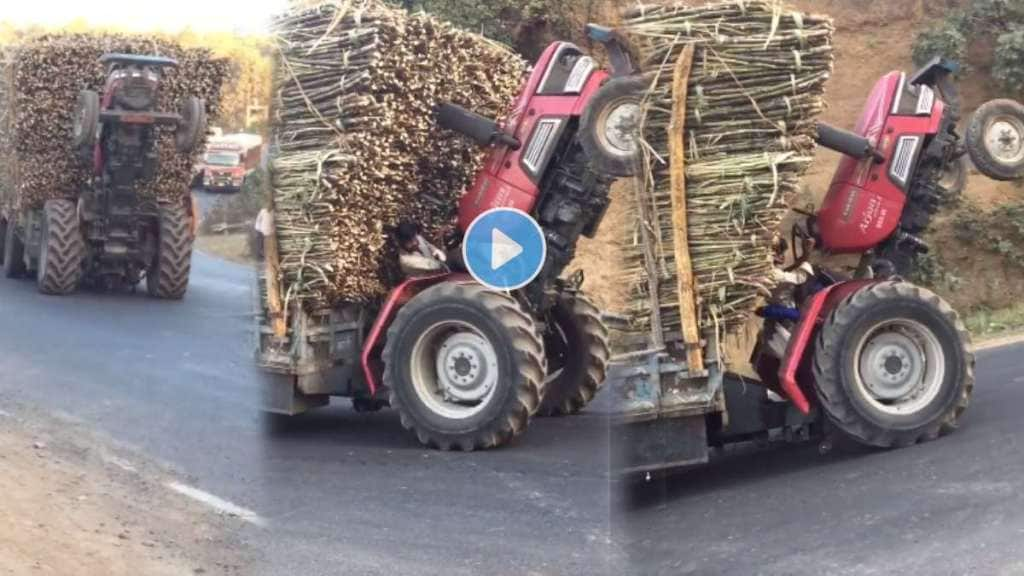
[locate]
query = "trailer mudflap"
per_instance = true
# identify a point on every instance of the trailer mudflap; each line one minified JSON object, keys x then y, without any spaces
{"x":660,"y":444}
{"x":660,"y":421}
{"x":281,"y":395}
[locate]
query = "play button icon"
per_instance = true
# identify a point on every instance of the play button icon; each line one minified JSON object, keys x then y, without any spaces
{"x":504,"y":249}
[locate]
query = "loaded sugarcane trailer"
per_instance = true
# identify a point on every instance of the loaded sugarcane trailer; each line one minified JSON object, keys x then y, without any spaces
{"x":860,"y":356}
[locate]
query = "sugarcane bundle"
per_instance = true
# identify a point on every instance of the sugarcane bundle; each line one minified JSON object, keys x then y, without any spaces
{"x":755,"y":88}
{"x":41,"y":79}
{"x":357,"y":148}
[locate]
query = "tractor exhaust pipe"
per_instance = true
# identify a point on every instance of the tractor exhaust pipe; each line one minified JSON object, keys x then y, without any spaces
{"x":847,"y":143}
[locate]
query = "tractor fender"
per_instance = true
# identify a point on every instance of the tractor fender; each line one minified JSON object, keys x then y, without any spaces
{"x":398,"y":297}
{"x":814,"y":311}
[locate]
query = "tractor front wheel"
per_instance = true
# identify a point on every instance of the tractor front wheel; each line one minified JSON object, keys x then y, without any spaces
{"x":610,"y":126}
{"x":892,"y":366}
{"x":167,"y":276}
{"x":86,"y":124}
{"x":192,"y":130}
{"x":464,"y":366}
{"x":576,"y":345}
{"x":995,"y":139}
{"x":61,"y":250}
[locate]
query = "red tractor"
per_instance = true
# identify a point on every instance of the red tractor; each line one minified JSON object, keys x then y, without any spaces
{"x":867,"y":356}
{"x":114,"y":233}
{"x":464,"y":365}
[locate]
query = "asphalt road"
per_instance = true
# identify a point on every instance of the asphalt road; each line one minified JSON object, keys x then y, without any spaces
{"x":353,"y":494}
{"x":341,"y":493}
{"x":951,"y":507}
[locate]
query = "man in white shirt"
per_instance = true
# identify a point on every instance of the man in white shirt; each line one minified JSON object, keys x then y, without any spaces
{"x":416,"y":256}
{"x":264,"y":227}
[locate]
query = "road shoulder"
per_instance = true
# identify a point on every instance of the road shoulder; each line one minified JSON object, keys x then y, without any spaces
{"x":73,"y":504}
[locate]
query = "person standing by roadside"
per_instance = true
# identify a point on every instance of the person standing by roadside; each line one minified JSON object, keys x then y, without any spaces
{"x":263,"y":227}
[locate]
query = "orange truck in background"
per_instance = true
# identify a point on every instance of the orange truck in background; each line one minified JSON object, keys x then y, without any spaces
{"x":228,"y":161}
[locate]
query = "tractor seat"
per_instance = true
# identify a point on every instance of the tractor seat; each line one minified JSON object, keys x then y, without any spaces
{"x":135,"y":60}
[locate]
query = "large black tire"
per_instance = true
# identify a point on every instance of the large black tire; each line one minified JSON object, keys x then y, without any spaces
{"x":625,"y":95}
{"x":995,"y":139}
{"x":856,"y":328}
{"x":576,"y":346}
{"x":167,"y":277}
{"x":418,"y":337}
{"x":61,"y":249}
{"x":192,"y":131}
{"x":13,"y":252}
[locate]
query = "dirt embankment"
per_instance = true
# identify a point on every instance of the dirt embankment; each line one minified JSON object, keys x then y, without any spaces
{"x":72,"y":506}
{"x":873,"y":37}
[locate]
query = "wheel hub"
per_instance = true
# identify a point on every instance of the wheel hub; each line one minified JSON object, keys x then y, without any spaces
{"x":466,"y":368}
{"x":1005,"y":140}
{"x":621,"y":126}
{"x":891,"y":366}
{"x":900,"y":366}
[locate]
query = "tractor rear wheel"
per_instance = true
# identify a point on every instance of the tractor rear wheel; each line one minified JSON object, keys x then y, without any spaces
{"x":61,"y":250}
{"x":464,"y":366}
{"x":576,"y":346}
{"x":167,"y":276}
{"x":14,"y":252}
{"x":892,"y":366}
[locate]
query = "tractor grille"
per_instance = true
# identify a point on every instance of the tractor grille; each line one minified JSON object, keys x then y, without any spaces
{"x":903,"y":161}
{"x":926,"y":101}
{"x":543,"y":137}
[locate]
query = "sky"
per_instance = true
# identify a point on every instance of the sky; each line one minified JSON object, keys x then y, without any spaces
{"x":243,"y":16}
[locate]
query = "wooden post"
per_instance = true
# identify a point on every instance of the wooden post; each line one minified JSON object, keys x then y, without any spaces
{"x":272,"y":260}
{"x":684,"y":265}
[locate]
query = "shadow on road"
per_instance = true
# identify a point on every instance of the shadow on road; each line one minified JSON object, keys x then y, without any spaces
{"x":340,"y":426}
{"x":579,"y":442}
{"x":743,"y":465}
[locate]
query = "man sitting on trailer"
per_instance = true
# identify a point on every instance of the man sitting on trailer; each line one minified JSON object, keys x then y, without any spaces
{"x":417,"y":257}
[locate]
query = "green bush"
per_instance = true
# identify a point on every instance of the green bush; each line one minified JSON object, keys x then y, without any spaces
{"x":999,"y":231}
{"x":996,"y":14}
{"x":1008,"y":68}
{"x":947,"y":41}
{"x":1002,"y":19}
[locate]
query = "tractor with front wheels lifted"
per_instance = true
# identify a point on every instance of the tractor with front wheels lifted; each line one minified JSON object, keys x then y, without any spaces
{"x":467,"y":366}
{"x":113,"y":234}
{"x":858,"y":359}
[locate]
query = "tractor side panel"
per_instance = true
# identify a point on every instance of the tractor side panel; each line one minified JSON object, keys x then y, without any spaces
{"x":370,"y":357}
{"x":800,"y":349}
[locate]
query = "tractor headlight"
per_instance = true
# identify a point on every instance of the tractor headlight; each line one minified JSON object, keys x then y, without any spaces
{"x":581,"y":72}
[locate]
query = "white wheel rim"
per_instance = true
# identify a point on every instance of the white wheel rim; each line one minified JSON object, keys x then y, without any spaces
{"x":900,"y":367}
{"x":454,"y":370}
{"x":1004,"y":139}
{"x":618,"y":127}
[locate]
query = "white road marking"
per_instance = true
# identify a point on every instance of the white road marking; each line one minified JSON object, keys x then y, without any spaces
{"x":119,"y":462}
{"x":218,"y":504}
